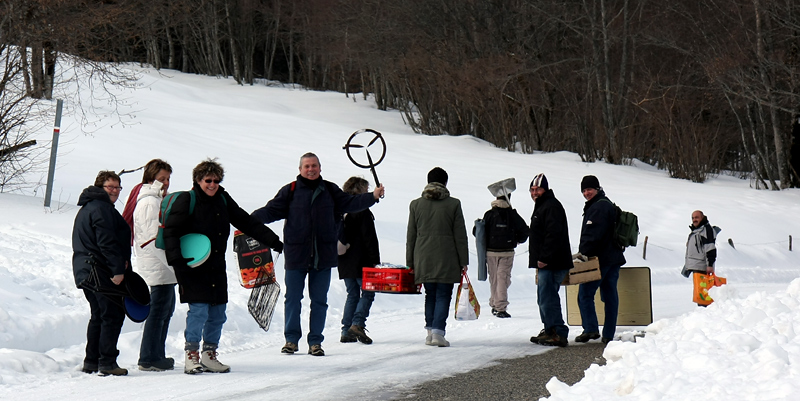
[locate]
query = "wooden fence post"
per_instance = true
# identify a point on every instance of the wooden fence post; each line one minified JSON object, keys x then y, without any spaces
{"x":644,"y":248}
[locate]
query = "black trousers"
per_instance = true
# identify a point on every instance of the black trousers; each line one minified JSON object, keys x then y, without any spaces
{"x":103,"y":331}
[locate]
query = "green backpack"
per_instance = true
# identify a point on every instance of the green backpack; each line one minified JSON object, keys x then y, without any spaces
{"x":626,"y":227}
{"x":166,"y":207}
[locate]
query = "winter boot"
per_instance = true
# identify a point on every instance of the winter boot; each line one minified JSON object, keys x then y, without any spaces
{"x":542,"y":334}
{"x":210,"y":362}
{"x":429,"y":338}
{"x":192,"y":364}
{"x":554,"y":340}
{"x":348,"y":338}
{"x":438,"y":340}
{"x":89,"y":368}
{"x":289,"y":348}
{"x":316,"y":350}
{"x":113,"y":370}
{"x":585,"y":337}
{"x":361,"y":334}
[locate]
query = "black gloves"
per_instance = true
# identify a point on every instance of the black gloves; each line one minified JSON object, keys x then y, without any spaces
{"x":277,"y":246}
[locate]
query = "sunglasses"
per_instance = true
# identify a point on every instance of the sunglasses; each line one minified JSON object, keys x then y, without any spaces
{"x":209,"y":181}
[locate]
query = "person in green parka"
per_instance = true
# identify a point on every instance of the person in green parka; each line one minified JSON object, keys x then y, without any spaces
{"x":437,"y":250}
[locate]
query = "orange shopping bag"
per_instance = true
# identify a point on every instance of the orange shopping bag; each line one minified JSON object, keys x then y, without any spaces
{"x":702,"y":283}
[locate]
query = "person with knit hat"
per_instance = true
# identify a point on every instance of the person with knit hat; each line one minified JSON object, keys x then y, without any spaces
{"x":597,"y":239}
{"x":505,"y":229}
{"x":437,"y":250}
{"x":551,"y":255}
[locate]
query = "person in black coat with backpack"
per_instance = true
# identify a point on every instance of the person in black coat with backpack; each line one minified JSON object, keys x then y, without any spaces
{"x":597,"y":239}
{"x":101,"y":238}
{"x":205,"y":287}
{"x":358,"y":248}
{"x":505,"y":229}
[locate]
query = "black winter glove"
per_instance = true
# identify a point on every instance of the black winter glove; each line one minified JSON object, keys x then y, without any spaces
{"x":182,"y":263}
{"x":278,"y":247}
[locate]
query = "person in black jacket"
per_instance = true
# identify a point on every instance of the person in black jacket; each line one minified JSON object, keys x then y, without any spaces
{"x":597,"y":239}
{"x":551,"y":254}
{"x":358,"y":248}
{"x":205,"y":287}
{"x":505,"y":229}
{"x":312,"y":209}
{"x":101,"y":237}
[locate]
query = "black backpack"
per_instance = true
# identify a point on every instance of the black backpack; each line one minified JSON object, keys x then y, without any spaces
{"x":626,"y":227}
{"x":500,"y":230}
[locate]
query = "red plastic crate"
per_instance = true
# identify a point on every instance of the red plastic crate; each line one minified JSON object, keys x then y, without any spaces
{"x":394,"y":281}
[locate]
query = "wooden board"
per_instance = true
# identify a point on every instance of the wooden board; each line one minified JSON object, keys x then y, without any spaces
{"x":635,"y":299}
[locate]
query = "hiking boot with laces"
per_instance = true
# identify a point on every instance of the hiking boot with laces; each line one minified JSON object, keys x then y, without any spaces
{"x":289,"y":348}
{"x":113,"y":370}
{"x":192,"y":363}
{"x":585,"y":337}
{"x":348,"y":338}
{"x":361,"y":334}
{"x":211,"y":364}
{"x":542,"y":334}
{"x":553,"y":340}
{"x":316,"y":350}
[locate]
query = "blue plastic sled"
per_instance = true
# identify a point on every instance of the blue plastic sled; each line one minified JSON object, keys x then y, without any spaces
{"x":196,"y":247}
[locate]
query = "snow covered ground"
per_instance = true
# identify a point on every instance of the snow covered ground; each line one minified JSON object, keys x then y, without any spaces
{"x":744,"y":346}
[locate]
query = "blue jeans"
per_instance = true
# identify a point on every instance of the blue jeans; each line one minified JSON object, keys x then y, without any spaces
{"x":103,"y":330}
{"x":319,"y":281}
{"x":609,"y":275}
{"x":437,"y":306}
{"x":549,"y":301}
{"x":156,"y":327}
{"x":204,"y":321}
{"x":356,"y":307}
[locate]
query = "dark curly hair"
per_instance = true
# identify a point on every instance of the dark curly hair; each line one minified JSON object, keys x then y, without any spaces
{"x":104,"y":176}
{"x":208,"y":167}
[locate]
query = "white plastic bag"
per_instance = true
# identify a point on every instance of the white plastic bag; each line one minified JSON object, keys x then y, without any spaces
{"x":467,"y":307}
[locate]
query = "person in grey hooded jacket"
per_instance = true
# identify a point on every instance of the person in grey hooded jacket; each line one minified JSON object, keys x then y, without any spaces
{"x":701,"y":252}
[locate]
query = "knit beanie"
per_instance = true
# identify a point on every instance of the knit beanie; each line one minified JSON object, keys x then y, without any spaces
{"x":437,"y":175}
{"x":590,"y":181}
{"x":540,"y":181}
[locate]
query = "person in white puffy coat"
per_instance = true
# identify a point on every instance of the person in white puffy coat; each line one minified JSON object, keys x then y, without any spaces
{"x":151,"y":264}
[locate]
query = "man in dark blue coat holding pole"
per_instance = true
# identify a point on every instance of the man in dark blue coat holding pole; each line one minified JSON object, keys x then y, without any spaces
{"x":312,"y":209}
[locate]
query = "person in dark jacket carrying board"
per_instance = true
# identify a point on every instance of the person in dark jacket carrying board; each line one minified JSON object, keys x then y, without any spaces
{"x":358,"y":248}
{"x":101,"y":237}
{"x":597,"y":239}
{"x":505,"y":229}
{"x":205,"y":287}
{"x":312,"y":209}
{"x":551,"y":255}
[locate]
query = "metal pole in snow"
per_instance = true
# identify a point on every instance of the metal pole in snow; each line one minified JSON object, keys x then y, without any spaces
{"x":51,"y":172}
